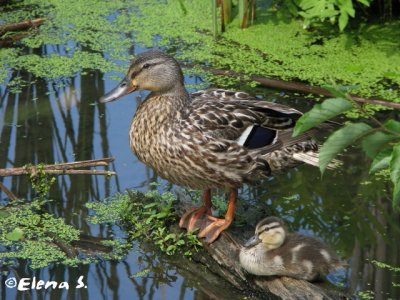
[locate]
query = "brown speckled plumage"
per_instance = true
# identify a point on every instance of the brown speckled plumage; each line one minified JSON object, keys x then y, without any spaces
{"x":191,"y":141}
{"x":199,"y":140}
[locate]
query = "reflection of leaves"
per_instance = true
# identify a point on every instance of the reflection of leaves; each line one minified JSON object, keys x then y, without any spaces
{"x":141,"y":273}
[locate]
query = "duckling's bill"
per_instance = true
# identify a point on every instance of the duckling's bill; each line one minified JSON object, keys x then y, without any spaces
{"x":125,"y":87}
{"x":252,"y":241}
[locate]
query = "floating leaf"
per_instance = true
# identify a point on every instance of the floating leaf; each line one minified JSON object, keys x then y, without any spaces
{"x":320,"y":113}
{"x":381,"y":160}
{"x":374,"y":143}
{"x":395,"y":174}
{"x":339,"y":140}
{"x":15,"y":235}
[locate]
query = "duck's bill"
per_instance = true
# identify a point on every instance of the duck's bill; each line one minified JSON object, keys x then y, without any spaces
{"x":252,"y":241}
{"x":125,"y":87}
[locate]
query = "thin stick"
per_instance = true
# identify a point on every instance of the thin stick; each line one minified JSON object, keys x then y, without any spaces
{"x":81,"y":164}
{"x":80,"y":172}
{"x":63,"y":168}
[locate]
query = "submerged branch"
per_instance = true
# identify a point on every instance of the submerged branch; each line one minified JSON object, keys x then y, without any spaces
{"x":63,"y":168}
{"x":297,"y":87}
{"x":12,"y":39}
{"x":7,"y":192}
{"x":23,"y":25}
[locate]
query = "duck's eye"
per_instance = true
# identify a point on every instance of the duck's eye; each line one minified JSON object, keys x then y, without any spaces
{"x":145,"y":66}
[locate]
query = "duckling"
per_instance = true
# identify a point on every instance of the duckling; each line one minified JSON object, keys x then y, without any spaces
{"x":274,"y":251}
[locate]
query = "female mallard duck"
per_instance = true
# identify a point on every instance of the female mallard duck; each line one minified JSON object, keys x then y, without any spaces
{"x":210,"y":139}
{"x":273,"y":251}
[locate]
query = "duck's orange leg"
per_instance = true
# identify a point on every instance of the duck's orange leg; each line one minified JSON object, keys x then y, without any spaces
{"x":212,"y":226}
{"x":194,"y":218}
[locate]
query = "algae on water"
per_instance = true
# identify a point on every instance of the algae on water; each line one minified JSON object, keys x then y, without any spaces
{"x":41,"y":238}
{"x":100,"y":34}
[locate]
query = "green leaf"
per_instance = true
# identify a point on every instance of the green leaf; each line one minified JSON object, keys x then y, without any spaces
{"x":364,"y":2}
{"x":381,"y":160}
{"x":347,"y":6}
{"x":343,"y":20}
{"x":340,"y":91}
{"x":395,"y":164}
{"x":320,"y":113}
{"x":15,"y":235}
{"x":395,"y":174}
{"x":374,"y":143}
{"x":393,"y":125}
{"x":396,"y":195}
{"x":171,"y":249}
{"x":339,"y":140}
{"x":171,"y":236}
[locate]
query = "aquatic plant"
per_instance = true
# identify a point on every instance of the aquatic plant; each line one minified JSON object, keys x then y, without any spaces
{"x":27,"y":232}
{"x":147,"y":217}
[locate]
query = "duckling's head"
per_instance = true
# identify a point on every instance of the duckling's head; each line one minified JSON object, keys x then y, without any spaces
{"x":270,"y":232}
{"x":154,"y":71}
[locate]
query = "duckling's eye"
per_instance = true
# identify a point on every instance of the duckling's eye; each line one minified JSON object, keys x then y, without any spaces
{"x":145,"y":66}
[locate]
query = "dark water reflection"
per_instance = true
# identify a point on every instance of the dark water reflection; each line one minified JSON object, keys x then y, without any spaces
{"x":63,"y":122}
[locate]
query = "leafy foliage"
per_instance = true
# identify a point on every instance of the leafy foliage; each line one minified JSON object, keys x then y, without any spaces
{"x":334,"y":11}
{"x":40,"y":181}
{"x":380,"y":143}
{"x":148,"y":217}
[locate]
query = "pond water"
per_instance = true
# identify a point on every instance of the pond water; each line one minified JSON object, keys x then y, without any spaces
{"x":64,"y":122}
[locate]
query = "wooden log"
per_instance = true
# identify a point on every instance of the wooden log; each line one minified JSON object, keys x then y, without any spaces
{"x":225,"y":262}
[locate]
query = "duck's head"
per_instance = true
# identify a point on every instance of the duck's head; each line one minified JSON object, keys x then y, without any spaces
{"x":270,"y":232}
{"x":154,"y":71}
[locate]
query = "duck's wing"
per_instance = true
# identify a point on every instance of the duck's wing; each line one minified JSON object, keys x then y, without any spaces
{"x":226,"y":95}
{"x":240,"y":117}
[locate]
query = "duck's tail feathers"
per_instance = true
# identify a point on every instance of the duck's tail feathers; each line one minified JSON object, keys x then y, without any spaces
{"x":312,"y":158}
